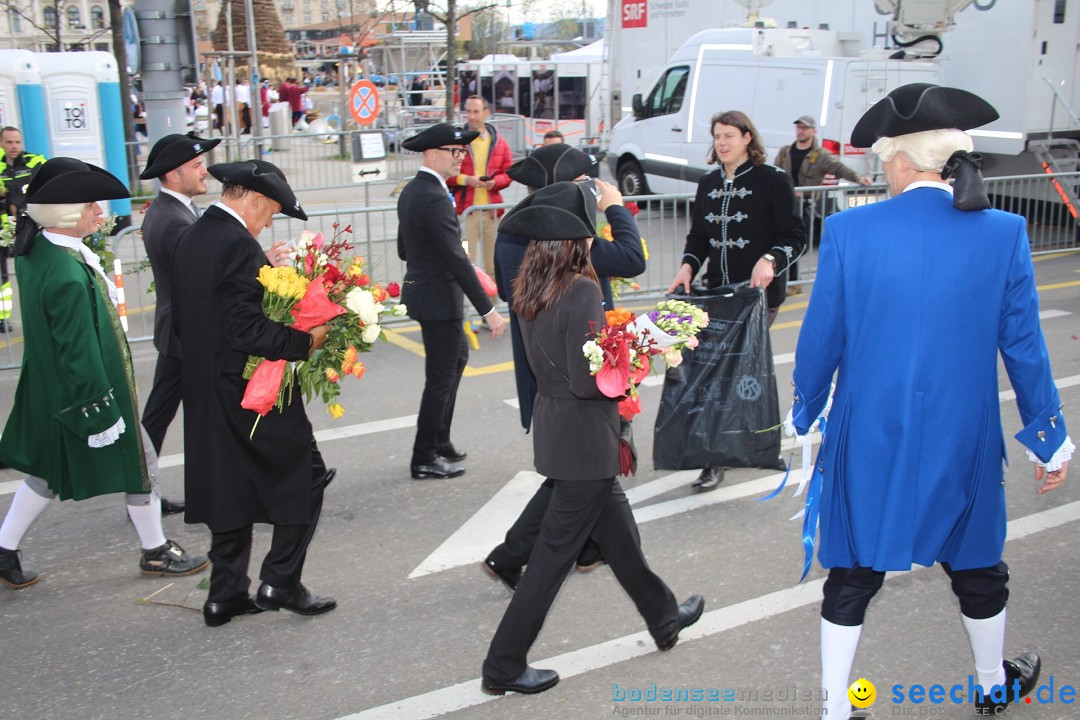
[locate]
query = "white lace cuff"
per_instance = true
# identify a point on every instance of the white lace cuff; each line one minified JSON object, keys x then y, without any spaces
{"x":107,"y":437}
{"x":1063,"y":455}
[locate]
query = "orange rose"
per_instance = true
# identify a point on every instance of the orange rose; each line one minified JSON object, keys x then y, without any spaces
{"x":358,"y":370}
{"x":618,"y":316}
{"x":332,"y":375}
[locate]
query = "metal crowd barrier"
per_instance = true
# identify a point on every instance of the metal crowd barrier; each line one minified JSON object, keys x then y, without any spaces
{"x":663,"y":221}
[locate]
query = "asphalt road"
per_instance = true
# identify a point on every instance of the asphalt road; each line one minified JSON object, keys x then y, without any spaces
{"x":94,"y":639}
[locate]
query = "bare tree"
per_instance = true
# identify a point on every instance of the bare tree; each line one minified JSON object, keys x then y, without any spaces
{"x":24,"y":10}
{"x":449,"y":17}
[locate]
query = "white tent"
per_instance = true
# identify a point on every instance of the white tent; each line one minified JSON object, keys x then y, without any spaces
{"x":590,"y":53}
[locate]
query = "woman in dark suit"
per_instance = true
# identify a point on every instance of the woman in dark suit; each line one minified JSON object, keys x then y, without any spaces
{"x":575,"y":440}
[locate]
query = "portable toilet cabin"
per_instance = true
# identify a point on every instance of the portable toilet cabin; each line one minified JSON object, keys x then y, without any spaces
{"x":21,"y":103}
{"x":84,"y":113}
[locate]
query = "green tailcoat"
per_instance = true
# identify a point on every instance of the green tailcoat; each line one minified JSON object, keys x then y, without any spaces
{"x":76,"y":381}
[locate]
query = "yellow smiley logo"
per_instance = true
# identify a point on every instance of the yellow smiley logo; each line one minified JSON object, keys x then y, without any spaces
{"x":862,"y":693}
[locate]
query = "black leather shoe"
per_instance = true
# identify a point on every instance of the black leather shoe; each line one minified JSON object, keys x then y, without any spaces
{"x":689,"y":613}
{"x":709,"y":478}
{"x":219,"y":613}
{"x":509,"y":578}
{"x":1026,"y":669}
{"x":590,"y":557}
{"x":447,"y":451}
{"x":437,"y":468}
{"x":169,"y":507}
{"x":297,"y":599}
{"x":6,"y":326}
{"x":170,"y":559}
{"x":530,"y":682}
{"x":328,"y":478}
{"x":11,"y":572}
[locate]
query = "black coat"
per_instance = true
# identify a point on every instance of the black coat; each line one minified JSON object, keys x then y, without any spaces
{"x":622,"y":257}
{"x":438,"y":273}
{"x":575,"y":427}
{"x":762,"y":217}
{"x":166,"y":220}
{"x":232,"y":480}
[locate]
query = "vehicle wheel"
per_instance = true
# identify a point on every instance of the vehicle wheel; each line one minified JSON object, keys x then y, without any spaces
{"x":632,"y":179}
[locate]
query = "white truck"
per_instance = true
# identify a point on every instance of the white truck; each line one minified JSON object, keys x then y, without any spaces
{"x":774,"y":76}
{"x":1021,"y":56}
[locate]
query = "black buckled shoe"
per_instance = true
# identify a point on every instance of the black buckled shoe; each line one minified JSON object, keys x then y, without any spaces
{"x":171,"y":560}
{"x":689,"y":613}
{"x":11,"y":572}
{"x":509,"y":578}
{"x":530,"y":682}
{"x":437,"y":468}
{"x":170,"y":507}
{"x":709,"y":479}
{"x":1026,"y":669}
{"x":447,"y":451}
{"x":298,"y":599}
{"x":218,"y":613}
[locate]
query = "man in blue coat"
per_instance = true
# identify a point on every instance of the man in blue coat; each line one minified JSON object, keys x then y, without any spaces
{"x":910,"y":469}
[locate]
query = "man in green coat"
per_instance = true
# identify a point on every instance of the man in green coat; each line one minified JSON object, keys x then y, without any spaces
{"x":74,"y":428}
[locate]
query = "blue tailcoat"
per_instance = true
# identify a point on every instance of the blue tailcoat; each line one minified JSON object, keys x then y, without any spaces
{"x":912,"y":302}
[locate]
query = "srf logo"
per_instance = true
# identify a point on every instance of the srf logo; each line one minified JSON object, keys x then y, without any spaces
{"x":635,"y":13}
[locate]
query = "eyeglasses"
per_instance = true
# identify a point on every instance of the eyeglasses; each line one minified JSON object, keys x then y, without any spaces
{"x":454,"y":152}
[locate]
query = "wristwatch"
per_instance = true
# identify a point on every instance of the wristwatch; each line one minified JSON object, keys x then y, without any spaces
{"x":771,"y":258}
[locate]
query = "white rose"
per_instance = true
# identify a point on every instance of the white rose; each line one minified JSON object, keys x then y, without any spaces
{"x":361,"y":302}
{"x":371,"y":334}
{"x":399,"y":310}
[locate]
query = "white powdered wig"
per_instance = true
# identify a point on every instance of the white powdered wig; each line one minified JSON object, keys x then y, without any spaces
{"x":928,"y":150}
{"x":64,"y":216}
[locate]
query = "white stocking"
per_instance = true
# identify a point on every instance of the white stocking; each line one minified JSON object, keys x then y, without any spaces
{"x":147,"y":521}
{"x":838,"y":646}
{"x":987,"y":638}
{"x":25,"y":508}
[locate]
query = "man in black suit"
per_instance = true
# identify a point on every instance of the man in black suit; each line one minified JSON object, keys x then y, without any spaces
{"x":177,"y":162}
{"x":235,"y":477}
{"x":438,"y":275}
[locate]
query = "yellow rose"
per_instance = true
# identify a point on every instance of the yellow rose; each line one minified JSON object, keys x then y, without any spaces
{"x":335,"y":410}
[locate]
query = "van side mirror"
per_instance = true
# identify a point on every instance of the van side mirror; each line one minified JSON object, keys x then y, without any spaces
{"x":638,"y":105}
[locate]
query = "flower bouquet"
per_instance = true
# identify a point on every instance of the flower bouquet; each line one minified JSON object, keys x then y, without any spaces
{"x":603,"y":229}
{"x":325,"y":285}
{"x":673,"y":326}
{"x":618,"y":357}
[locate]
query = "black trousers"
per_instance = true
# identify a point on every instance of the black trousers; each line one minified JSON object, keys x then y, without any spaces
{"x":513,"y":553}
{"x":447,"y":352}
{"x":164,"y":400}
{"x":5,"y":253}
{"x":578,"y":508}
{"x":982,"y":592}
{"x":230,"y":551}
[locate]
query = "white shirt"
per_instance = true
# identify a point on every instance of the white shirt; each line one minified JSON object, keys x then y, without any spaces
{"x":217,"y":95}
{"x":931,"y":184}
{"x":232,"y":212}
{"x":243,"y":93}
{"x":184,"y":199}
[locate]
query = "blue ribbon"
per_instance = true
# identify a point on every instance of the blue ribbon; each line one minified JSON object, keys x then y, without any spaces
{"x":813,"y":507}
{"x":783,"y":482}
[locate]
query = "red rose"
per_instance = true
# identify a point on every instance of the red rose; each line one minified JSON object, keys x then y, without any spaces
{"x":393,"y":290}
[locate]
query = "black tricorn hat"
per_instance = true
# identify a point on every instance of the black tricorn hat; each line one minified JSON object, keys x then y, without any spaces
{"x":560,"y":211}
{"x":67,"y":180}
{"x":438,"y":135}
{"x":262,"y":177}
{"x":551,"y":164}
{"x":918,"y":107}
{"x":172,"y":151}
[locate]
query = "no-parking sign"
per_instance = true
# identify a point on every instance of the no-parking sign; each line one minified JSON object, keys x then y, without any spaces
{"x":364,"y":102}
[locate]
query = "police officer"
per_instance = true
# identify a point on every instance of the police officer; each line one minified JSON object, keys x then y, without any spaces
{"x":16,"y":168}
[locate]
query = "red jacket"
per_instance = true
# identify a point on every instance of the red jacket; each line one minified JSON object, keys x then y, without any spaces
{"x":499,"y":161}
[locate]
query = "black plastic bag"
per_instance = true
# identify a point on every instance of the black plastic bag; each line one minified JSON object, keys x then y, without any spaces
{"x":717,"y":404}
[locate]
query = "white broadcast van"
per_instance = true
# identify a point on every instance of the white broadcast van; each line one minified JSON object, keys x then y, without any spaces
{"x":774,"y":76}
